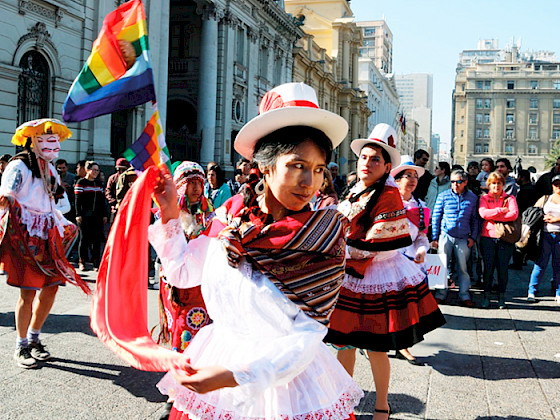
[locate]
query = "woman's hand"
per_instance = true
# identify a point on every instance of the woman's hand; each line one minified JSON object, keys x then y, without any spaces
{"x":165,"y":194}
{"x":420,"y":256}
{"x":205,"y":379}
{"x":79,"y":220}
{"x":548,"y":218}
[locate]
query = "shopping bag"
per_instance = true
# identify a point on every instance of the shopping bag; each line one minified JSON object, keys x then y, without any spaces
{"x":436,"y":267}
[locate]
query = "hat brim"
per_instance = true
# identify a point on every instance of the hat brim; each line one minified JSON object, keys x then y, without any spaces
{"x":419,"y":170}
{"x":358,"y":144}
{"x":334,"y":126}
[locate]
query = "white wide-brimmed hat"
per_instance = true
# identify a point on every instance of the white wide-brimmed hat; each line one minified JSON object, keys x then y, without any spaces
{"x":288,"y":105}
{"x":382,"y":135}
{"x":407,"y":163}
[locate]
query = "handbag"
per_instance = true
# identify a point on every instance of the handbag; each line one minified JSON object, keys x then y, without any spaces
{"x":509,"y":232}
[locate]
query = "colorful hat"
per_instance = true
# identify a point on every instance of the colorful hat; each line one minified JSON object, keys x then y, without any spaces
{"x":122,"y":163}
{"x":288,"y":105}
{"x":382,"y":135}
{"x":38,"y":127}
{"x":407,"y":163}
{"x":188,"y":170}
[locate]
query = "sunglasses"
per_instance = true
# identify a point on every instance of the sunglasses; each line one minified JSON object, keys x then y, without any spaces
{"x":459,"y":181}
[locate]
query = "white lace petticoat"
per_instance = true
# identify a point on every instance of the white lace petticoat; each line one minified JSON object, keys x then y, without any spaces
{"x":389,"y":271}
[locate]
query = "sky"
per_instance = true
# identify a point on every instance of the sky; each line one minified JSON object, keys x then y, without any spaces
{"x":429,"y":35}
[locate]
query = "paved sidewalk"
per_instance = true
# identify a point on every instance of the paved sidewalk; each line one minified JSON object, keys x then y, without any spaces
{"x":484,"y":364}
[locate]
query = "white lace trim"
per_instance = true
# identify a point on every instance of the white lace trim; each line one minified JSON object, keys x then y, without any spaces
{"x":37,"y":224}
{"x":197,"y":409}
{"x":170,"y":229}
{"x":357,"y":285}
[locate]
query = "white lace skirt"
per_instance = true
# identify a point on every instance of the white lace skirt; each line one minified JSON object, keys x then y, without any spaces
{"x":322,"y":391}
{"x":389,"y":271}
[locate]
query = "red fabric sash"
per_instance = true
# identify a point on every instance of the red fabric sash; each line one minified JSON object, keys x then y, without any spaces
{"x":119,"y":309}
{"x":414,"y":216}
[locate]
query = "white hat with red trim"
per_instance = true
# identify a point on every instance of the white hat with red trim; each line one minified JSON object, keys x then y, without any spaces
{"x":382,"y":135}
{"x":288,"y":105}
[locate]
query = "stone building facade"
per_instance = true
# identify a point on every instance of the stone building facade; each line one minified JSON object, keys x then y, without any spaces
{"x":332,"y":47}
{"x":506,"y":109}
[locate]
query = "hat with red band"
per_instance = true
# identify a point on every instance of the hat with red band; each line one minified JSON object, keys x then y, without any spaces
{"x":288,"y":105}
{"x":384,"y":136}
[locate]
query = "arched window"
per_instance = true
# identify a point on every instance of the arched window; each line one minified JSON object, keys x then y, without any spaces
{"x":33,"y":87}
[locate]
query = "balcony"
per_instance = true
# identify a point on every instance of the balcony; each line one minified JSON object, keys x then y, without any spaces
{"x":184,"y":66}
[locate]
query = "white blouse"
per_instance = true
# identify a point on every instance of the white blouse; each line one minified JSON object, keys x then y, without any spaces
{"x":274,"y":349}
{"x":38,"y":211}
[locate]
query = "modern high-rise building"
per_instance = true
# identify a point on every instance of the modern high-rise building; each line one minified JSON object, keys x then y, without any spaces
{"x":509,"y":107}
{"x":416,"y":97}
{"x":378,"y":44}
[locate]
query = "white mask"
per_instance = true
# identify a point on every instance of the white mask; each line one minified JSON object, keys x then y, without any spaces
{"x":46,"y":146}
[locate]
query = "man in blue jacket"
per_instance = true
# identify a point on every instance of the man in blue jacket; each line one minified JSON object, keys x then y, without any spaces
{"x":455,"y":227}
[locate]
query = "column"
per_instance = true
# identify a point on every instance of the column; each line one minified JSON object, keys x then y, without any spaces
{"x":208,"y":83}
{"x":355,"y":71}
{"x":345,"y":61}
{"x":344,"y":148}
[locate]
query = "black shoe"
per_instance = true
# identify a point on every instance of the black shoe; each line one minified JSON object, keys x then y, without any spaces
{"x":413,"y":362}
{"x":38,"y":351}
{"x":23,"y":358}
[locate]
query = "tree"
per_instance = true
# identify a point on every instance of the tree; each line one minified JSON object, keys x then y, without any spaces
{"x":552,"y":157}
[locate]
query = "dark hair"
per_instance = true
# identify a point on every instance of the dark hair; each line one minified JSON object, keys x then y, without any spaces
{"x":532,"y":169}
{"x":419,"y":153}
{"x":328,"y":187}
{"x":220,"y":174}
{"x":399,"y":175}
{"x":242,"y":160}
{"x":365,"y":219}
{"x":506,"y":162}
{"x":457,"y":166}
{"x":61,"y":162}
{"x":90,"y":164}
{"x":285,"y":140}
{"x":81,"y":163}
{"x":490,"y":162}
{"x":473,"y":163}
{"x":237,"y":172}
{"x":6,"y":157}
{"x":524,"y":174}
{"x":445,"y":167}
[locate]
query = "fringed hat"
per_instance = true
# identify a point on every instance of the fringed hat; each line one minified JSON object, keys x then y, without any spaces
{"x":382,"y":135}
{"x":38,"y":127}
{"x":288,"y":105}
{"x":407,"y":163}
{"x":188,"y":170}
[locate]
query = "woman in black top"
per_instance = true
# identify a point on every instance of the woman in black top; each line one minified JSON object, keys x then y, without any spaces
{"x":91,"y":214}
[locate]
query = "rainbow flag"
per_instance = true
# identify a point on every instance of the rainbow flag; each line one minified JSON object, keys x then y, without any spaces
{"x":118,"y":73}
{"x":150,"y":148}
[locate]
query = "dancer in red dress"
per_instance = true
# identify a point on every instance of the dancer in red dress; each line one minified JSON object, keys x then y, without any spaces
{"x":35,"y":235}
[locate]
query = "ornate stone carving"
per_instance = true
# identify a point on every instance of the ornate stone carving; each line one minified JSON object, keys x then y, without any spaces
{"x":253,"y":34}
{"x":231,"y":20}
{"x":53,"y":13}
{"x":40,"y":34}
{"x":209,"y":10}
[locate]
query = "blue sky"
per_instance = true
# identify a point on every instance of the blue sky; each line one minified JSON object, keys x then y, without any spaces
{"x":429,"y":35}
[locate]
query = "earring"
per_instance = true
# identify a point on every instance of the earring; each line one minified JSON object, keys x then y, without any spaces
{"x":259,"y":188}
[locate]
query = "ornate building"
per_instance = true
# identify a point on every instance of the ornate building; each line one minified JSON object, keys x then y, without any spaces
{"x":212,"y":61}
{"x":329,"y":63}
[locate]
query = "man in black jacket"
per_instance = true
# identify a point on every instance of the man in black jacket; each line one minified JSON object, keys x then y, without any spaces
{"x":544,"y":183}
{"x":421,"y":158}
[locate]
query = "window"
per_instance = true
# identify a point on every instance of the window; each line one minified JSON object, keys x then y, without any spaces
{"x":369,"y":31}
{"x":478,"y":133}
{"x":486,"y":133}
{"x":532,"y":118}
{"x":533,"y":133}
{"x":487,"y":103}
{"x":462,"y":119}
{"x":510,"y":103}
{"x":479,"y":118}
{"x":478,"y":103}
{"x":532,"y":149}
{"x":485,"y":148}
{"x":534,"y":84}
{"x":509,"y":149}
{"x":462,"y":105}
{"x":510,"y":85}
{"x":509,"y":133}
{"x":533,"y":103}
{"x":33,"y":87}
{"x":461,"y":148}
{"x":556,"y":133}
{"x":240,"y":53}
{"x":369,"y":43}
{"x":487,"y":85}
{"x":484,"y":84}
{"x":487,"y":118}
{"x":463,"y":87}
{"x":478,"y":148}
{"x":462,"y":133}
{"x":479,"y":84}
{"x":556,"y":118}
{"x":510,"y":118}
{"x":263,"y":63}
{"x":557,"y":84}
{"x":556,"y":103}
{"x":277,"y":71}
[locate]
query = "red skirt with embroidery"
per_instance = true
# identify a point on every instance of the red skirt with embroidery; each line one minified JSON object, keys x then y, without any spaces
{"x":179,"y":415}
{"x":382,"y":322}
{"x":182,"y":314}
{"x":31,"y":262}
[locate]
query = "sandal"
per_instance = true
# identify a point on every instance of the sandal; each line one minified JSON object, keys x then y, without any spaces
{"x":378,"y":410}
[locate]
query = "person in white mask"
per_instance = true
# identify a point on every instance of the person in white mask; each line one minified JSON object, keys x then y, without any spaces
{"x":34,"y":234}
